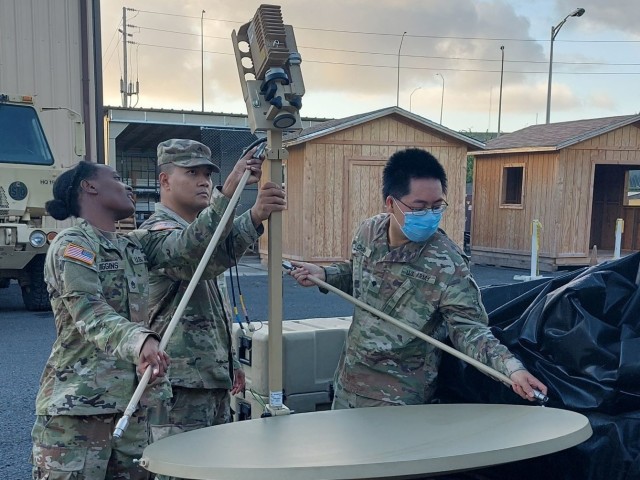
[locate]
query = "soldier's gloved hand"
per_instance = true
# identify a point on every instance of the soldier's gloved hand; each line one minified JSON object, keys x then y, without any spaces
{"x":270,"y":199}
{"x":150,"y":354}
{"x":247,"y":162}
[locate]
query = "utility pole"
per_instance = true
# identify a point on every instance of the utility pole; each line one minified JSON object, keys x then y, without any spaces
{"x":126,"y":87}
{"x":441,"y":98}
{"x":398,"y":87}
{"x":500,"y":101}
{"x":202,"y":56}
{"x":578,"y":12}
{"x":124,"y":81}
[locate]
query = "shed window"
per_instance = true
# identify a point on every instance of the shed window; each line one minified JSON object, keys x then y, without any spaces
{"x":632,"y":188}
{"x":512,"y":179}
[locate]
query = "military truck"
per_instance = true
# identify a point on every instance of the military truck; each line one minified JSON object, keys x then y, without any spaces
{"x":51,"y":117}
{"x":28,"y":173}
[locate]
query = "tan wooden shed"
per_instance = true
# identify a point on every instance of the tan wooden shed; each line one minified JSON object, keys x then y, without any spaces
{"x":575,"y":177}
{"x":333,"y":178}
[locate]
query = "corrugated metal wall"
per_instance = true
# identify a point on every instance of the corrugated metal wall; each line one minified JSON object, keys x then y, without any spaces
{"x":41,"y":55}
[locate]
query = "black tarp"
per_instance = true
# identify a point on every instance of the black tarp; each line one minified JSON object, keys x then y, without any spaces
{"x":579,"y":333}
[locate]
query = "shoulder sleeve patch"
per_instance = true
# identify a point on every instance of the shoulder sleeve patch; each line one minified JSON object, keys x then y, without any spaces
{"x":164,"y":226}
{"x":79,"y":253}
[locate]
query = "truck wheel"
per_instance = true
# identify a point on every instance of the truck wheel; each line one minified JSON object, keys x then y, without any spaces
{"x":35,"y":295}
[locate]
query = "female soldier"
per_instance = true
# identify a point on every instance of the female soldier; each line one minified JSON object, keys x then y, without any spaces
{"x":98,"y":286}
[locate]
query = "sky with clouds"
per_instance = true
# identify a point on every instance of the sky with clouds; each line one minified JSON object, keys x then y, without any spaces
{"x":350,"y":49}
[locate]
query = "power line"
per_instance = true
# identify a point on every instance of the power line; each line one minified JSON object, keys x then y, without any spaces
{"x":405,"y":67}
{"x":384,"y":34}
{"x":394,"y":55}
{"x":545,"y":62}
{"x":180,"y":48}
{"x":179,"y":33}
{"x":470,"y":69}
{"x":115,"y":32}
{"x":112,"y":52}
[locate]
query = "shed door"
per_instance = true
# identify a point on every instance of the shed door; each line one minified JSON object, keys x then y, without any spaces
{"x":364,"y":195}
{"x":609,"y":193}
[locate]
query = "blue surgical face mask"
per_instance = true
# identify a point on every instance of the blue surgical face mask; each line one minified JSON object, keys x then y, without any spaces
{"x":419,"y":228}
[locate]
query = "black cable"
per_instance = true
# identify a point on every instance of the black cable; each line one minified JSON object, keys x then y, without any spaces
{"x":242,"y":304}
{"x":236,"y":315}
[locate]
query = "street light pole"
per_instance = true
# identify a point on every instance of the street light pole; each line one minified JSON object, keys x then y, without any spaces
{"x":398,"y":87}
{"x":500,"y":101}
{"x":414,"y":91}
{"x":202,"y":56}
{"x":578,"y":12}
{"x":442,"y":98}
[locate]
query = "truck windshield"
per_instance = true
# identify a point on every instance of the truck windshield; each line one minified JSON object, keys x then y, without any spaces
{"x":21,"y":137}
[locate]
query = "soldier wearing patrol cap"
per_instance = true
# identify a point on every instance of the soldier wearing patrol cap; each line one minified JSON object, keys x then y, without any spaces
{"x":204,"y":369}
{"x":98,"y":286}
{"x":185,"y":153}
{"x":403,"y":265}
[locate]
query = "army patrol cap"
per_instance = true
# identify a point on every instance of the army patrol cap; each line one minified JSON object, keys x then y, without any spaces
{"x":185,"y":153}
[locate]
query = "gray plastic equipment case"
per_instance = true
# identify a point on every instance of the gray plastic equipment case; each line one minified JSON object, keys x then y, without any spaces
{"x":311,"y":350}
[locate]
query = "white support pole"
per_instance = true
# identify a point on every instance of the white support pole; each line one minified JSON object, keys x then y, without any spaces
{"x":536,"y":229}
{"x":619,"y":230}
{"x":536,"y":226}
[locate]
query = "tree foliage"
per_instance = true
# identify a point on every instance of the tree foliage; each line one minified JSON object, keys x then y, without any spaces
{"x":469,"y":168}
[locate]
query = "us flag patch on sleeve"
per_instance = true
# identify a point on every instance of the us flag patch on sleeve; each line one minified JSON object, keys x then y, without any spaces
{"x":78,"y":253}
{"x":166,"y":225}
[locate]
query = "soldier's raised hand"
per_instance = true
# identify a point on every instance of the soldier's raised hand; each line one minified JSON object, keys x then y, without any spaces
{"x":247,"y":162}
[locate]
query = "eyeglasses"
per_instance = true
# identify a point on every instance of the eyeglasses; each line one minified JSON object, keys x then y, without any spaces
{"x":437,"y":209}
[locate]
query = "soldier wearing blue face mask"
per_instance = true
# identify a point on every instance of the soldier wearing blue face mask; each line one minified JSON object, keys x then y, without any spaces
{"x":403,"y":265}
{"x":420,"y":224}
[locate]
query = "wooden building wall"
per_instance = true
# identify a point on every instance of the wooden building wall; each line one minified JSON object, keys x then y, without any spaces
{"x":603,"y":205}
{"x":334,"y":182}
{"x":558,"y":190}
{"x":500,"y":231}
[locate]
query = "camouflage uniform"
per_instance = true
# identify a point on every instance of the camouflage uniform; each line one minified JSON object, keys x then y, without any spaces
{"x":429,"y":287}
{"x":98,"y":285}
{"x":200,"y":347}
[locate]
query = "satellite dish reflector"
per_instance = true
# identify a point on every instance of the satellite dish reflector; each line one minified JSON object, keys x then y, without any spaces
{"x":368,"y":443}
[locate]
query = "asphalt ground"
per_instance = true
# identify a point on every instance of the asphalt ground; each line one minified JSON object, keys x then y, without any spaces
{"x":26,"y":339}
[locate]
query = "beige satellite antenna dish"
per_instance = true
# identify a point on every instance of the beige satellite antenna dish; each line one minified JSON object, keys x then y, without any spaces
{"x":384,"y":442}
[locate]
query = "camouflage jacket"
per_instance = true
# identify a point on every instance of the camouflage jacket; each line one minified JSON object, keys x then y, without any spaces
{"x":429,"y":287}
{"x":98,"y":286}
{"x":200,"y":347}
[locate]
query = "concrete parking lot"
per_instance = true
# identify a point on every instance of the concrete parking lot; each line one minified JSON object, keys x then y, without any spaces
{"x":27,"y":337}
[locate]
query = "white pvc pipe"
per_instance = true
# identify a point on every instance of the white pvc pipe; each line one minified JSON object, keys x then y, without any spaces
{"x":619,"y":230}
{"x":534,"y":248}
